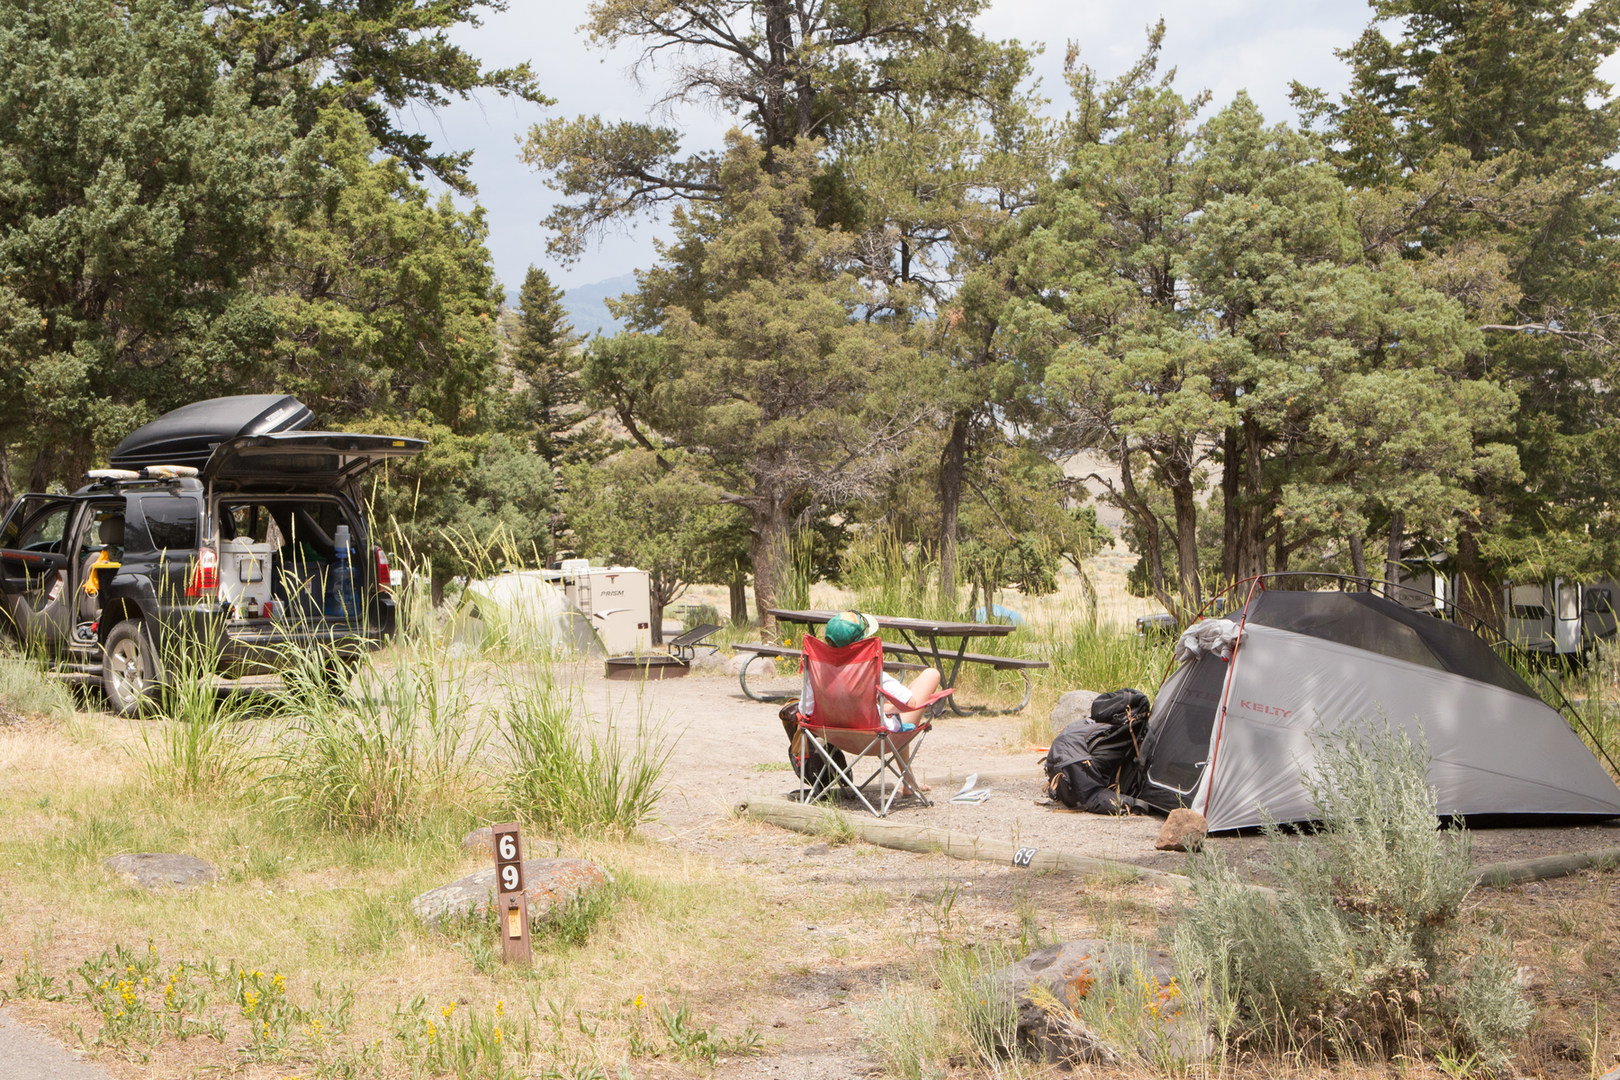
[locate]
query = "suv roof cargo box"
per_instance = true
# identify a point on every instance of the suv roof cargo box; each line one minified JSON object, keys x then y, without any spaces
{"x":189,"y":434}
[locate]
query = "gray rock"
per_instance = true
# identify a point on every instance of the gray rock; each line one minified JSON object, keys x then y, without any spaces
{"x":156,"y":870}
{"x":1051,"y":986}
{"x":1075,"y":705}
{"x":480,"y":843}
{"x":763,"y":666}
{"x":1184,"y":830}
{"x":709,"y":660}
{"x":548,"y":882}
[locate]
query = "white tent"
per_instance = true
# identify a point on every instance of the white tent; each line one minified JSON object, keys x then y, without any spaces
{"x":1231,"y":737}
{"x":530,"y":612}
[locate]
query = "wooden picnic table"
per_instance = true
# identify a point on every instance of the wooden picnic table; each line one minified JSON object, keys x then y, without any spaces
{"x":921,"y":639}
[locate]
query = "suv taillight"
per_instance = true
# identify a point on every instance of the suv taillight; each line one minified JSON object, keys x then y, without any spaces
{"x":204,"y":573}
{"x":384,"y":580}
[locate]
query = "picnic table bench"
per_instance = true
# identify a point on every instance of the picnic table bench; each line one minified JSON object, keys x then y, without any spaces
{"x":948,"y":661}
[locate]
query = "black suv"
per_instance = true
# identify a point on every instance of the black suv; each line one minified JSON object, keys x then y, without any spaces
{"x":224,"y":520}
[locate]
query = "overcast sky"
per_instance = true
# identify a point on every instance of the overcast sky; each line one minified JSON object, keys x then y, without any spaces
{"x":1221,"y":45}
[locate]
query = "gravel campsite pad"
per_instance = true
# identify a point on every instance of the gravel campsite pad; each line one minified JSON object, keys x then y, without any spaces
{"x":729,"y":748}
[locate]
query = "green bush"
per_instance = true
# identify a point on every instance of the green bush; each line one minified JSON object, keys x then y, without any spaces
{"x":1360,"y":951}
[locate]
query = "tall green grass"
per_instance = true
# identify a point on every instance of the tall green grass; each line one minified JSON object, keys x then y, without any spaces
{"x":566,"y":778}
{"x":200,"y":738}
{"x":1094,"y":655}
{"x":27,"y":689}
{"x":890,"y":577}
{"x":377,"y":760}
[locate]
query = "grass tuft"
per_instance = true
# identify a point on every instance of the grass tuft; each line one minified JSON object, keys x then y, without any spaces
{"x":563,"y":778}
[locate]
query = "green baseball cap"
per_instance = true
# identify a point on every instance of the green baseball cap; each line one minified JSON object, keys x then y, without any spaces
{"x":848,"y":627}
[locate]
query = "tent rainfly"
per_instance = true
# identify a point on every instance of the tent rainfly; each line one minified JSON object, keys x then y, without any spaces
{"x":1232,"y":737}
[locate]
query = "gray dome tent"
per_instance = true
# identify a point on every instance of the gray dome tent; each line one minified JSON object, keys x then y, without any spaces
{"x":1229,"y":738}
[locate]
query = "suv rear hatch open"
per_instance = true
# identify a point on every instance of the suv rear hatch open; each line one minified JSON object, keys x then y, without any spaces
{"x":330,"y":460}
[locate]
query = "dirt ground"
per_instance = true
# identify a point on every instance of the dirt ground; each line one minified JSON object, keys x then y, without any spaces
{"x":855,"y":918}
{"x":723,"y":740}
{"x":729,"y":747}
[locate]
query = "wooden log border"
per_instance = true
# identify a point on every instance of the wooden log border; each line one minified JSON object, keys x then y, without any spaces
{"x":1502,"y":874}
{"x":811,"y":819}
{"x":924,"y":840}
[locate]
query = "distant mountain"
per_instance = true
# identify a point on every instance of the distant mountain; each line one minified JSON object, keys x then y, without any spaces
{"x":587,"y":307}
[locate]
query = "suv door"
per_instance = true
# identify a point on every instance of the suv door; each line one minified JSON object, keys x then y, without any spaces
{"x":37,"y":544}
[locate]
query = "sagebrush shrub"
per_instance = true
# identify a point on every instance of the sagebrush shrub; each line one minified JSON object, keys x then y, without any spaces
{"x":1359,"y":951}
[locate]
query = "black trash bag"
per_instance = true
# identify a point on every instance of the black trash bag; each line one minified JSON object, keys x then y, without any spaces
{"x":812,"y":769}
{"x":1093,"y":765}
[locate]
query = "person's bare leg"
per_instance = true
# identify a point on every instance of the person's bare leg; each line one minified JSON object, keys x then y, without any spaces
{"x":921,"y":688}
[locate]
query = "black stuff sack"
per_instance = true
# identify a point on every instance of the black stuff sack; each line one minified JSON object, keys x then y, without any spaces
{"x":808,"y":765}
{"x":1093,"y":765}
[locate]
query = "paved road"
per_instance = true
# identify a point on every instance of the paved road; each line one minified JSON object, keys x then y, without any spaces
{"x":27,"y":1054}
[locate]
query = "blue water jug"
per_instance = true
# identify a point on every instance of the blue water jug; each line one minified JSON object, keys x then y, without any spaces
{"x":340,"y":599}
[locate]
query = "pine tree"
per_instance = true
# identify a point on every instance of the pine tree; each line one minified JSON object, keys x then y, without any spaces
{"x":1484,"y":134}
{"x":544,"y":354}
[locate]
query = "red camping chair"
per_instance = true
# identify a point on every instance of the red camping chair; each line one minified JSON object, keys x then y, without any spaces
{"x":846,"y":716}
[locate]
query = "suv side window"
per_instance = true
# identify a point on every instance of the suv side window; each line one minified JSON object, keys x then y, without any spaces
{"x":171,"y":522}
{"x":46,"y":530}
{"x":21,"y":513}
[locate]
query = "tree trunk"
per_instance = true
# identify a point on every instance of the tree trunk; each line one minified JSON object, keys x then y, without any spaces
{"x":1187,"y":576}
{"x":1279,"y":548}
{"x":1477,"y":593}
{"x":1358,"y":556}
{"x":952,"y":462}
{"x":739,"y":598}
{"x":655,"y":605}
{"x":768,"y":549}
{"x":1252,"y":550}
{"x":436,"y":587}
{"x":1392,"y":552}
{"x":7,"y":494}
{"x":39,"y":475}
{"x":1231,"y":525}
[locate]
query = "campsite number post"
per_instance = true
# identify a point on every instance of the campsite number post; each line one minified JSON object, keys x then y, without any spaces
{"x":511,"y":902}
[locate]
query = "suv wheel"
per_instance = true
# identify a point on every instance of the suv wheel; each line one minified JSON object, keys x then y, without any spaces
{"x":126,"y":669}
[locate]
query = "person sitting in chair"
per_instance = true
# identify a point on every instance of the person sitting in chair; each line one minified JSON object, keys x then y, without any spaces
{"x":848,"y":627}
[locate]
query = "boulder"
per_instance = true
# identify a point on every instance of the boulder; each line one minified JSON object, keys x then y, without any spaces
{"x":706,"y":660}
{"x":157,"y":870}
{"x":548,"y":882}
{"x":1050,"y":988}
{"x":1075,"y":705}
{"x":763,"y":666}
{"x":1184,"y":830}
{"x":480,"y":843}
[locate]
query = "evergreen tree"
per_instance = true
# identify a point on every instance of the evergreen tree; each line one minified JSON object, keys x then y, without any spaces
{"x":1485,"y":134}
{"x":373,"y":58}
{"x":793,"y":401}
{"x":137,"y":191}
{"x":1202,"y":298}
{"x":543,"y":354}
{"x":791,"y":69}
